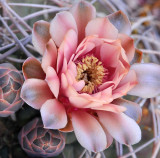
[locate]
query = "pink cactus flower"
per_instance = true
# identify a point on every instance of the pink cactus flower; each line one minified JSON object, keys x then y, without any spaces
{"x":39,"y":142}
{"x":84,"y":73}
{"x":10,"y":86}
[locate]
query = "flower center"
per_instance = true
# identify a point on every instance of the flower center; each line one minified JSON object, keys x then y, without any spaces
{"x":91,"y":70}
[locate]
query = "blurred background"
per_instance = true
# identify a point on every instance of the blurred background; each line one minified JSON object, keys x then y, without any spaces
{"x":16,"y":22}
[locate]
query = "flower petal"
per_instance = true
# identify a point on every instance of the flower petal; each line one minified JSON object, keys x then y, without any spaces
{"x":35,"y":92}
{"x":83,"y":12}
{"x":128,"y":45}
{"x":40,"y":35}
{"x":78,"y":86}
{"x":50,"y":56}
{"x":68,"y":127}
{"x":53,"y":114}
{"x":53,"y":81}
{"x":148,"y":78}
{"x":101,"y":27}
{"x":110,"y":107}
{"x":121,"y":127}
{"x":79,"y":102}
{"x":121,"y":91}
{"x":121,"y":22}
{"x":60,"y":25}
{"x":88,"y":131}
{"x":109,"y":137}
{"x":32,"y":69}
{"x":67,"y":48}
{"x":87,"y":48}
{"x":130,"y":79}
{"x":111,"y":56}
{"x":133,"y":110}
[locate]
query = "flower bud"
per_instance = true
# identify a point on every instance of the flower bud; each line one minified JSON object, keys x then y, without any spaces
{"x":37,"y":141}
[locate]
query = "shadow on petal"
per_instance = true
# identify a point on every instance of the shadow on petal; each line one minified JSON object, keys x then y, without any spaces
{"x":133,"y":110}
{"x":121,"y":22}
{"x":32,"y":69}
{"x":40,"y":35}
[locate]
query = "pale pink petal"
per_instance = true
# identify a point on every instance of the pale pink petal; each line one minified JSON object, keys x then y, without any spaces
{"x":71,"y":74}
{"x":121,"y":127}
{"x":148,"y":79}
{"x":133,"y":110}
{"x":81,"y":102}
{"x":60,"y":25}
{"x":64,"y":65}
{"x":35,"y":92}
{"x":66,"y":89}
{"x":88,"y":40}
{"x":121,"y":22}
{"x":128,"y":45}
{"x":129,"y":78}
{"x":79,"y":85}
{"x":124,"y":85}
{"x":83,"y":12}
{"x":124,"y":59}
{"x":70,"y":78}
{"x":50,"y":56}
{"x":106,"y":95}
{"x":86,"y":101}
{"x":72,"y":67}
{"x":88,"y":131}
{"x":32,"y":69}
{"x":106,"y":85}
{"x":121,"y":91}
{"x":117,"y":74}
{"x":78,"y":101}
{"x":87,"y":48}
{"x":110,"y":107}
{"x":67,"y":48}
{"x":53,"y":81}
{"x":69,"y":44}
{"x":101,"y":27}
{"x":109,"y":137}
{"x":64,"y":82}
{"x":53,"y":114}
{"x":70,"y":91}
{"x":40,"y":35}
{"x":109,"y":54}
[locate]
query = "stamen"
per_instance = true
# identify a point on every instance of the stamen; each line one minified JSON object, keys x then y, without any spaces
{"x":91,"y":70}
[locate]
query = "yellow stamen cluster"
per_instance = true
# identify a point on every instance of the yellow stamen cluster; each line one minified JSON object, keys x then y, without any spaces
{"x":91,"y":70}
